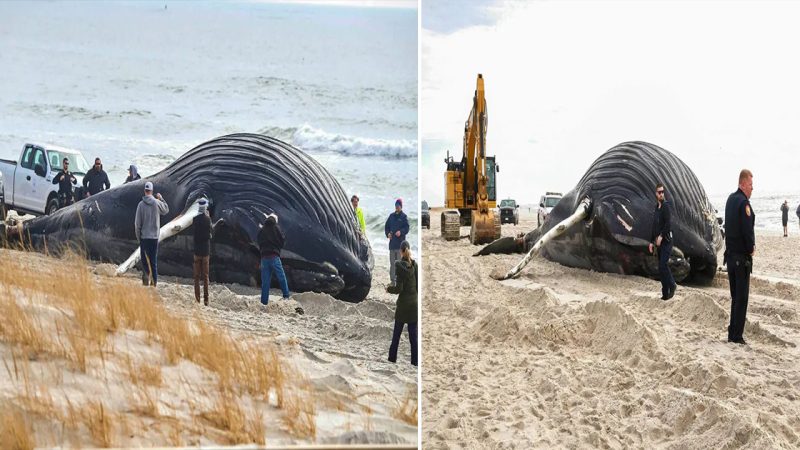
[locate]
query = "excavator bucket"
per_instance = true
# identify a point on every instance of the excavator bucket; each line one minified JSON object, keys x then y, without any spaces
{"x":485,"y":227}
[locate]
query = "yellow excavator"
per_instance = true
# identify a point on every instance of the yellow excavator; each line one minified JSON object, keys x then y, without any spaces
{"x":470,"y":185}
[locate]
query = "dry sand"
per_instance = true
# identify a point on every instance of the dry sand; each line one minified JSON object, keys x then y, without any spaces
{"x":570,"y":358}
{"x":340,"y":348}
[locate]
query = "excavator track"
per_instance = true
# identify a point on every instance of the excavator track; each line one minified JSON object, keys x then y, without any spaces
{"x":451,"y":225}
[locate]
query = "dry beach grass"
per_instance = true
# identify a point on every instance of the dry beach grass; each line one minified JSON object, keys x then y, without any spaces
{"x":90,"y":360}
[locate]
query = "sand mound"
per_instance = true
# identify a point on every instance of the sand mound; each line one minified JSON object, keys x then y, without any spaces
{"x":316,"y":304}
{"x":701,"y":309}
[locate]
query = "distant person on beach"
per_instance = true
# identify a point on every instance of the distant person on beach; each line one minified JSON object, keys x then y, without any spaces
{"x":406,"y":311}
{"x":96,"y":179}
{"x":740,"y":245}
{"x":785,"y":217}
{"x":359,"y":214}
{"x":270,"y":241}
{"x":147,"y":226}
{"x":395,"y":229}
{"x":798,"y":214}
{"x":133,"y":174}
{"x":65,"y":179}
{"x":202,"y":249}
{"x":661,"y":238}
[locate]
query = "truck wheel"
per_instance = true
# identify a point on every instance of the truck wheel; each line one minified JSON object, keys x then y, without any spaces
{"x":52,"y":206}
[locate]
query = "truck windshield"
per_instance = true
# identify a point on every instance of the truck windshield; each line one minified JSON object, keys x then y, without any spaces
{"x":550,"y":202}
{"x":424,"y":205}
{"x":507,"y":203}
{"x":76,"y":162}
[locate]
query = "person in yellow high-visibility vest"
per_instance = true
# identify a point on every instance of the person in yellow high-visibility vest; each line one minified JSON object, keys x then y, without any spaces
{"x":359,"y":214}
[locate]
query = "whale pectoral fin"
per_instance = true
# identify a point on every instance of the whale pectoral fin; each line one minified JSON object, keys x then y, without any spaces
{"x":581,"y":212}
{"x":181,"y":222}
{"x":504,"y":245}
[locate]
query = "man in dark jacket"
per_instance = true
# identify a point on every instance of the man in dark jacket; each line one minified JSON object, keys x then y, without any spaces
{"x":740,"y":245}
{"x":202,"y":249}
{"x":785,"y":217}
{"x":396,"y":229}
{"x":406,"y":311}
{"x":270,"y":241}
{"x":65,"y":179}
{"x":661,"y":238}
{"x":96,"y":179}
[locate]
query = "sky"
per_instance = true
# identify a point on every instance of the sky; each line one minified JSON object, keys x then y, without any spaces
{"x":716,"y":83}
{"x":358,"y":3}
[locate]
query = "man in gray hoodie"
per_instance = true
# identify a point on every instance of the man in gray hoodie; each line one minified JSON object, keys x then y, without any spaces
{"x":148,"y":225}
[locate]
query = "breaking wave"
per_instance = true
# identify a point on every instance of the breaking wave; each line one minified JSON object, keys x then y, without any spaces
{"x":309,"y":138}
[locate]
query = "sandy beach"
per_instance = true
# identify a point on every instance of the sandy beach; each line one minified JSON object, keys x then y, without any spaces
{"x":569,"y":358}
{"x":162,"y":370}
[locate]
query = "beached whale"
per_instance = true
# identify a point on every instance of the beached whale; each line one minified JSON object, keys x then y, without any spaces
{"x":604,"y":223}
{"x":244,"y":177}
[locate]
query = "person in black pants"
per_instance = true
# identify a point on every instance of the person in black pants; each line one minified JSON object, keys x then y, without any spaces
{"x":406,"y":311}
{"x":785,"y":218}
{"x":661,"y":238}
{"x":65,"y":179}
{"x":740,"y":245}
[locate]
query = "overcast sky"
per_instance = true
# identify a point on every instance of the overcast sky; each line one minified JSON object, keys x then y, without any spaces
{"x":716,"y":83}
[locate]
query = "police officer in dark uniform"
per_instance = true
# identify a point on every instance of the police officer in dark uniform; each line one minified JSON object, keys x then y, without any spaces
{"x":740,"y":244}
{"x":661,"y":237}
{"x":65,"y":179}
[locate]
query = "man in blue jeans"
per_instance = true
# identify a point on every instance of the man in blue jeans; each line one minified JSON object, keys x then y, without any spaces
{"x":270,"y":240}
{"x":661,"y":237}
{"x":147,"y":226}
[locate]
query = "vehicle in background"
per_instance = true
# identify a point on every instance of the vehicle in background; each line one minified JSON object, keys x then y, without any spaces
{"x":509,"y":211}
{"x":28,"y":183}
{"x":546,"y":204}
{"x":426,"y":215}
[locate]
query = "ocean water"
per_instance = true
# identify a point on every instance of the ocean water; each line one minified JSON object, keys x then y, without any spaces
{"x":135,"y":83}
{"x":767,"y":207}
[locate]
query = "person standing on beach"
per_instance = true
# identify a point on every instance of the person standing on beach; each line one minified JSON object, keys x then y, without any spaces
{"x":202,"y":249}
{"x":271,"y":240}
{"x":359,"y":214}
{"x":147,"y":226}
{"x":65,"y":179}
{"x":406,"y":311}
{"x":740,"y":245}
{"x":96,"y":179}
{"x":798,"y":214}
{"x":785,"y":217}
{"x":395,"y":229}
{"x":661,"y":238}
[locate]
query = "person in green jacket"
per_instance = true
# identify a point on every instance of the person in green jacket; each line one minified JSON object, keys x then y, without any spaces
{"x":406,"y":311}
{"x":359,"y":214}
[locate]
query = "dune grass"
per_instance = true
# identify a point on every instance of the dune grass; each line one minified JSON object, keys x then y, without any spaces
{"x":83,"y":312}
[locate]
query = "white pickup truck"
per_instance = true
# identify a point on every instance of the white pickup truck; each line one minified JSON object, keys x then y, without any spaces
{"x":27,"y":184}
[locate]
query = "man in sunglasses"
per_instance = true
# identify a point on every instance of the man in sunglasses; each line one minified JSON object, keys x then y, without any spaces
{"x":65,"y":179}
{"x":96,"y":179}
{"x":661,"y":238}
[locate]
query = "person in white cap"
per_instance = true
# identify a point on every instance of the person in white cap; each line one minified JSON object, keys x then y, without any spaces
{"x":147,"y":226}
{"x":202,"y":250}
{"x":270,"y":241}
